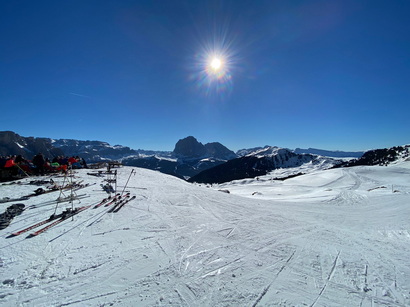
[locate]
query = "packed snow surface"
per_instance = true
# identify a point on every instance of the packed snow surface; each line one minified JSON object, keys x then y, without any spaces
{"x":338,"y":237}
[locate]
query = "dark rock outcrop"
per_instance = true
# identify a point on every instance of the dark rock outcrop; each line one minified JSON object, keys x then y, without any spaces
{"x":383,"y":156}
{"x":13,"y":144}
{"x":189,"y":147}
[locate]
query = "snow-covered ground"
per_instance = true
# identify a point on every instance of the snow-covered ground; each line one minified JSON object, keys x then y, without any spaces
{"x":338,"y":237}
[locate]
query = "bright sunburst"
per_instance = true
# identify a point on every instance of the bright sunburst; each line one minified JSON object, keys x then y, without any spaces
{"x":213,"y":65}
{"x":216,"y":64}
{"x":213,"y":68}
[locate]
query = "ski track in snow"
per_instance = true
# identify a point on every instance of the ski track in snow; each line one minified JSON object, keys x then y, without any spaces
{"x":330,"y":238}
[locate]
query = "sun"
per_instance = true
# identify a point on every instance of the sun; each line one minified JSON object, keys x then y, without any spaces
{"x":213,"y":64}
{"x":216,"y":64}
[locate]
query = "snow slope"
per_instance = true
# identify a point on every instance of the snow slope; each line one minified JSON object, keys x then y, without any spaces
{"x":330,"y":238}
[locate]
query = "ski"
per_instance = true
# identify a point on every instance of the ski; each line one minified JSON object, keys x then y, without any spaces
{"x":105,"y":200}
{"x":74,"y":186}
{"x":123,"y":203}
{"x":101,"y":203}
{"x":41,"y":191}
{"x":66,"y":215}
{"x":124,"y":198}
{"x":51,"y":218}
{"x":59,"y":200}
{"x":117,"y":199}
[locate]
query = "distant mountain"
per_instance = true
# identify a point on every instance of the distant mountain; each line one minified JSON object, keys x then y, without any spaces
{"x":328,"y":153}
{"x":259,"y":163}
{"x":13,"y":144}
{"x":189,"y":158}
{"x":190,"y":148}
{"x":212,"y":162}
{"x":381,"y":156}
{"x":93,"y":151}
{"x":247,"y":151}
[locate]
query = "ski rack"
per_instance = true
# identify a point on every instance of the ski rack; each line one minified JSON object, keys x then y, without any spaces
{"x":111,"y":178}
{"x":73,"y":194}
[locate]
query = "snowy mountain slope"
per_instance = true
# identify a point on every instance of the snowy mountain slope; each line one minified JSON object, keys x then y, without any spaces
{"x":329,"y":153}
{"x":313,"y":151}
{"x":93,"y":150}
{"x":331,"y":238}
{"x":383,"y":156}
{"x":259,"y":163}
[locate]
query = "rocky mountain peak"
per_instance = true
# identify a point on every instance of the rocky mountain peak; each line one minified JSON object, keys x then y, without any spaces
{"x":189,"y":147}
{"x":219,"y":151}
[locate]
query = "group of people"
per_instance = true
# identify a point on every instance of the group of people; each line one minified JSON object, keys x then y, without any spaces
{"x":40,"y":165}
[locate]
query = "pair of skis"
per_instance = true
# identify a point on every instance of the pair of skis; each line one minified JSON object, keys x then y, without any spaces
{"x":59,"y":200}
{"x":54,"y":219}
{"x":63,"y":199}
{"x":121,"y":203}
{"x":118,"y":201}
{"x":108,"y":201}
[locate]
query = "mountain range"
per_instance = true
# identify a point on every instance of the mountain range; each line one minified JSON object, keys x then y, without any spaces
{"x":194,"y":161}
{"x":261,"y":162}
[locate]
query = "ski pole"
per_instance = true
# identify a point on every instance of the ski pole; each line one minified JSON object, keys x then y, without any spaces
{"x":23,"y":170}
{"x":127,"y":181}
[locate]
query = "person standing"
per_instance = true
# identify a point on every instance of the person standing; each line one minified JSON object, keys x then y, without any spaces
{"x":39,"y":161}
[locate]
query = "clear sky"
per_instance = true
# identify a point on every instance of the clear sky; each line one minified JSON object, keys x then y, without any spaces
{"x":245,"y":73}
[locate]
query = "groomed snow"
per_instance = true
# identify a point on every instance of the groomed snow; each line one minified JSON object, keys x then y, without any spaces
{"x":338,"y":237}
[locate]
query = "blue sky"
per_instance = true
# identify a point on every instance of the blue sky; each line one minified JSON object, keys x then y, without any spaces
{"x":324,"y":74}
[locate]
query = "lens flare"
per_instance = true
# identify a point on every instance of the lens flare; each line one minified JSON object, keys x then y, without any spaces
{"x":212,"y":66}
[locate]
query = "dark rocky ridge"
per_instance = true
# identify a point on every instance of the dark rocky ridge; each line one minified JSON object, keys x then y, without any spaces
{"x":258,"y":163}
{"x":13,"y":144}
{"x":383,"y":156}
{"x":190,"y":148}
